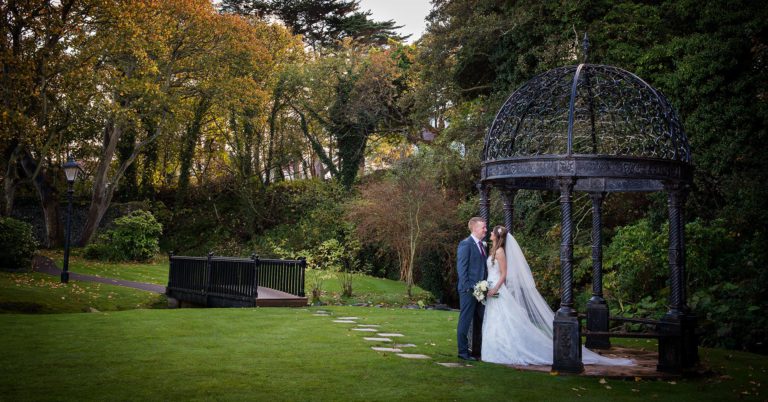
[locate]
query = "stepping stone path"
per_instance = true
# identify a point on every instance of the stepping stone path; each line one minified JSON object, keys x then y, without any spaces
{"x":413,"y":356}
{"x":378,"y":339}
{"x":454,"y":365}
{"x":385,"y":337}
{"x":393,"y":350}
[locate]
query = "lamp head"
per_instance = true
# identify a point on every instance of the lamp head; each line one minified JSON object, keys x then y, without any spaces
{"x":71,"y":169}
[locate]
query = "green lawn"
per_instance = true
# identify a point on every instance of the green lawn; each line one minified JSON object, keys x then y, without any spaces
{"x":155,"y":271}
{"x":289,"y":354}
{"x":41,"y":293}
{"x":365,"y":289}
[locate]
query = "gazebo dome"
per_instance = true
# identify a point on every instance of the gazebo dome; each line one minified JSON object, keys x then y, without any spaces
{"x":587,"y":109}
{"x":597,"y":121}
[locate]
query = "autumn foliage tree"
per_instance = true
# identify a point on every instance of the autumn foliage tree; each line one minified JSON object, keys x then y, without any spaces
{"x":406,"y":212}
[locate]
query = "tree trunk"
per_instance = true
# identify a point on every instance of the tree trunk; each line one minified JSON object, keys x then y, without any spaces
{"x":11,"y":180}
{"x":49,"y":200}
{"x":148,"y":170}
{"x":188,"y":146}
{"x":130,"y":188}
{"x":102,"y":190}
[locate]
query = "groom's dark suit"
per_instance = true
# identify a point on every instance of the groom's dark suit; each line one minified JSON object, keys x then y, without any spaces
{"x":470,"y":264}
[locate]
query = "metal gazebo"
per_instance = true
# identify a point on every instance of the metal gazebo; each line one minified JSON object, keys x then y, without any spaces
{"x":596,"y":129}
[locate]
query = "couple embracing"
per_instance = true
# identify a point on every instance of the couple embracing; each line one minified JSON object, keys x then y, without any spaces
{"x":516,"y":320}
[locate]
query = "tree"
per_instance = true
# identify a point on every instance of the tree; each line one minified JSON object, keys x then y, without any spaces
{"x":38,"y":76}
{"x":406,"y":212}
{"x":322,"y":23}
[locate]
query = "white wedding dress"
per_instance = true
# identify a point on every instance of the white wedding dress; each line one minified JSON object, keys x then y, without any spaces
{"x":517,"y":327}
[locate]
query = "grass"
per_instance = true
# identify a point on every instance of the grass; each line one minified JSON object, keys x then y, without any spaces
{"x":366,"y":289}
{"x":155,"y":271}
{"x":289,"y":354}
{"x":41,"y":293}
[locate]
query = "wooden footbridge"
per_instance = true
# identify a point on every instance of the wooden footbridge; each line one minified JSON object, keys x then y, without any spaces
{"x":215,"y":281}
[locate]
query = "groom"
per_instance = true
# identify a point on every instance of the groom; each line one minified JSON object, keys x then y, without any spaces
{"x":470,"y":264}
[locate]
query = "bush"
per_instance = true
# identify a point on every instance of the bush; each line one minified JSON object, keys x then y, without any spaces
{"x":17,"y":244}
{"x":134,"y":237}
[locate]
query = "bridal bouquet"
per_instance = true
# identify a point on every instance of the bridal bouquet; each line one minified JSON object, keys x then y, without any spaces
{"x":481,"y":290}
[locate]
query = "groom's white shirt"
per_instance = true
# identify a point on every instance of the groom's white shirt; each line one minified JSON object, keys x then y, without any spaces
{"x":477,"y":243}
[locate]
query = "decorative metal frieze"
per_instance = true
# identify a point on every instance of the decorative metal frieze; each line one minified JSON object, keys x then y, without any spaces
{"x":588,"y":109}
{"x":587,"y":167}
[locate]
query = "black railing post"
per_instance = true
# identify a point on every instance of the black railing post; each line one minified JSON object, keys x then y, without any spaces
{"x":256,"y":263}
{"x":208,"y":274}
{"x":303,"y":266}
{"x":171,"y":274}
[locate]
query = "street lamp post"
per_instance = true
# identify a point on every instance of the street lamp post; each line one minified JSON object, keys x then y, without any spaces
{"x":71,"y":169}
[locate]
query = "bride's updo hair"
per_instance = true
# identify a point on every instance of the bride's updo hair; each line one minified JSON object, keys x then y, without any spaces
{"x":501,"y":238}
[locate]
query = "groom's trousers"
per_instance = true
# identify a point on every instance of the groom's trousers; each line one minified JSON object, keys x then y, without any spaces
{"x":470,"y":310}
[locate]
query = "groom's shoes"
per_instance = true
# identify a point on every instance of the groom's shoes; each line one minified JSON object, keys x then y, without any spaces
{"x":467,"y":357}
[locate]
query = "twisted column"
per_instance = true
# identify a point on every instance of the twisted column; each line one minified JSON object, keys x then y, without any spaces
{"x":674,"y":198}
{"x":508,"y":198}
{"x":598,"y":316}
{"x":566,"y":248}
{"x":597,"y":244}
{"x":566,"y":335}
{"x":485,"y":205}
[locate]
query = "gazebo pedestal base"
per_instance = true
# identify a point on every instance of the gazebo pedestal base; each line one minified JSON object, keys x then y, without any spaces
{"x":567,"y":345}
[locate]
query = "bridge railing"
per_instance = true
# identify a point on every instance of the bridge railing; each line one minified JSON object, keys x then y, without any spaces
{"x":227,"y":281}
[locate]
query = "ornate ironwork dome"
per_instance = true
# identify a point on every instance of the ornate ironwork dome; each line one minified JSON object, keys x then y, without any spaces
{"x":581,"y":115}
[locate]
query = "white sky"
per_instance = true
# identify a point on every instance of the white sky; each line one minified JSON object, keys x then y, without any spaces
{"x":410,"y":13}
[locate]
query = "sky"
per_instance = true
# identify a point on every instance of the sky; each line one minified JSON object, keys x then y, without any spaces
{"x":410,"y":13}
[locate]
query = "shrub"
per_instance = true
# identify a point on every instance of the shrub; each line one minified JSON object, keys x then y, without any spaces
{"x":17,"y":244}
{"x":134,"y":237}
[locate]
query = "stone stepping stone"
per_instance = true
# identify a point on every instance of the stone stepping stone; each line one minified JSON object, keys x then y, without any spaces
{"x":364,"y":329}
{"x":321,"y":312}
{"x":388,"y":335}
{"x":349,"y":318}
{"x":405,"y":345}
{"x":454,"y":365}
{"x":344,"y":321}
{"x":369,"y":325}
{"x":413,"y":356}
{"x":393,"y":350}
{"x":377,"y":339}
{"x":321,"y":315}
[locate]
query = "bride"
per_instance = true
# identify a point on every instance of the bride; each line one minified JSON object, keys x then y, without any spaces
{"x":517,"y":328}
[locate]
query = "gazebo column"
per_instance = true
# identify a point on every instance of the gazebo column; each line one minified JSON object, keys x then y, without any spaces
{"x":567,"y":333}
{"x":597,"y":308}
{"x":476,"y":340}
{"x":485,"y":206}
{"x":679,"y":348}
{"x":508,"y":198}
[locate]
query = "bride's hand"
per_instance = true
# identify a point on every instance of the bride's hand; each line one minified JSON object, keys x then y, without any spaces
{"x":492,"y":292}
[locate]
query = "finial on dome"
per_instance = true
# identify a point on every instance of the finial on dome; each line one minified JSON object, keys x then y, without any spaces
{"x":585,"y":48}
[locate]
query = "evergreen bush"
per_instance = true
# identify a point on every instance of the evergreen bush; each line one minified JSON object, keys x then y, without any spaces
{"x":17,"y":244}
{"x":135,"y":237}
